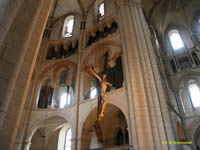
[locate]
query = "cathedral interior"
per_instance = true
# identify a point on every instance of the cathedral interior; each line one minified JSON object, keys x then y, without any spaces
{"x":69,"y":67}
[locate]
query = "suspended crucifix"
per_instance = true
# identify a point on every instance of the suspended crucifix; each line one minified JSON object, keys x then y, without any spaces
{"x":102,"y":94}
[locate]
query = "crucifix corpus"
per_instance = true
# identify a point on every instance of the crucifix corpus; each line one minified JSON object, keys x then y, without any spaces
{"x":104,"y":86}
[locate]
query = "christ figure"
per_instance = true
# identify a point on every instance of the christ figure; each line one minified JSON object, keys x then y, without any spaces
{"x":104,"y":86}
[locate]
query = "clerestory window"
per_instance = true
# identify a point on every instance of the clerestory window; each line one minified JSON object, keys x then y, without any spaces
{"x":176,"y":40}
{"x":101,"y":12}
{"x":194,"y":94}
{"x":199,"y":23}
{"x":68,"y":26}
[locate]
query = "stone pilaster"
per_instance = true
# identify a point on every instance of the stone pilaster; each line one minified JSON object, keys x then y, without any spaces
{"x":24,"y":44}
{"x":149,"y":114}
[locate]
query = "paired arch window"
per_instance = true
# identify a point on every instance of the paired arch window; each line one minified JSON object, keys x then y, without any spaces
{"x":101,"y":12}
{"x":68,"y":26}
{"x":176,"y":40}
{"x":194,"y":92}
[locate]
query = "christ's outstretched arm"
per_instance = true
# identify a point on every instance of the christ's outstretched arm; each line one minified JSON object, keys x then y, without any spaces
{"x":90,"y":70}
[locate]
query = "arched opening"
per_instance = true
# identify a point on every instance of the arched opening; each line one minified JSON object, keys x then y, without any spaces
{"x":195,"y":58}
{"x":63,"y":94}
{"x":120,"y":138}
{"x":103,"y":61}
{"x":38,"y":140}
{"x":101,"y":12}
{"x":194,"y":92}
{"x":93,"y":92}
{"x":65,"y":99}
{"x":51,"y":135}
{"x":105,"y":133}
{"x":176,"y":40}
{"x":65,"y":136}
{"x":68,"y":26}
{"x":196,"y":138}
{"x":51,"y":53}
{"x":46,"y":93}
{"x":198,"y":21}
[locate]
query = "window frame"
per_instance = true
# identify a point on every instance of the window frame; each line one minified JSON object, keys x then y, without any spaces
{"x":192,"y":82}
{"x":65,"y":24}
{"x":65,"y":141}
{"x":176,"y":31}
{"x":67,"y":99}
{"x":101,"y":18}
{"x":198,"y":25}
{"x":91,"y":89}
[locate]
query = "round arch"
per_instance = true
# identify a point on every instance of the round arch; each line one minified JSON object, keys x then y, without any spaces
{"x":60,"y":120}
{"x":193,"y":131}
{"x":101,"y":129}
{"x":103,"y":45}
{"x":49,"y":68}
{"x":186,"y":76}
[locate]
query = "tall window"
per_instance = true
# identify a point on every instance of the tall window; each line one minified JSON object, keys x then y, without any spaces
{"x":199,"y":23}
{"x":176,"y":40}
{"x":64,"y":100}
{"x":101,"y":12}
{"x":68,"y":137}
{"x":93,"y":92}
{"x":68,"y":26}
{"x":65,"y":136}
{"x":194,"y":94}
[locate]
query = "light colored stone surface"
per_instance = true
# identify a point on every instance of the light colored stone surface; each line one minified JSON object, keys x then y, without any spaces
{"x":142,"y":99}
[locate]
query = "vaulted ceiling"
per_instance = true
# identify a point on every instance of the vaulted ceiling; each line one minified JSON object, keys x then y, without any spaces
{"x":62,"y":7}
{"x":158,"y":12}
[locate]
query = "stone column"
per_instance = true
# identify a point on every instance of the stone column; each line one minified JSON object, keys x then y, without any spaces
{"x":27,"y":145}
{"x":148,"y":112}
{"x":21,"y":50}
{"x":78,"y":91}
